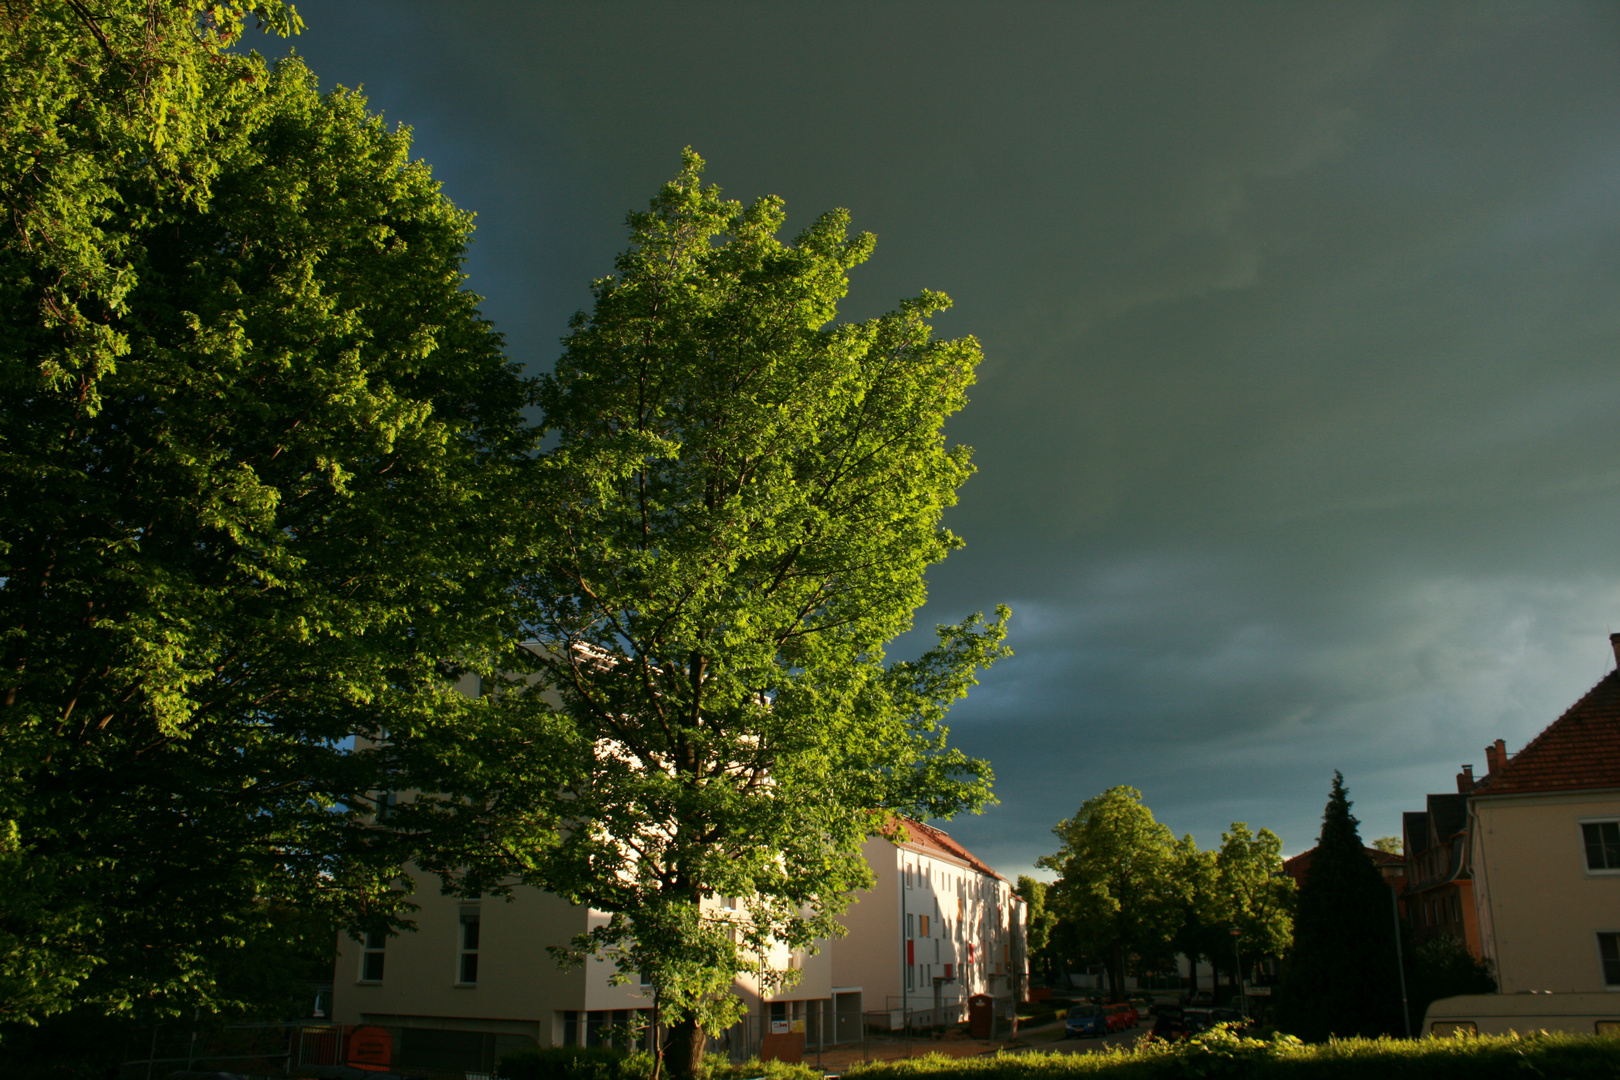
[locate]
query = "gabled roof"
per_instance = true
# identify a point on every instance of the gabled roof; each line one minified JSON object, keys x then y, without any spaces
{"x":1578,"y":751}
{"x":938,"y":842}
{"x":1448,"y":815}
{"x":1297,"y":867}
{"x":1415,"y":830}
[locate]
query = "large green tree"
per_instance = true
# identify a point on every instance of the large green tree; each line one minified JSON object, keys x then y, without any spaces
{"x":1342,"y":977}
{"x":742,"y":498}
{"x":1040,"y":920}
{"x":259,"y":459}
{"x":1121,"y":891}
{"x":1255,"y":897}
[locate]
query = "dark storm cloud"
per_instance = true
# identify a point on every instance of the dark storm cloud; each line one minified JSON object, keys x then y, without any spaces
{"x":1297,"y":430}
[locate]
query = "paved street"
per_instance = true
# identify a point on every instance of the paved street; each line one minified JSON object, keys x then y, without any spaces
{"x":1049,"y":1039}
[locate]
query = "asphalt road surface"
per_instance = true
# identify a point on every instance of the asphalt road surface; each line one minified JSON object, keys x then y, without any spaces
{"x":1049,"y":1039}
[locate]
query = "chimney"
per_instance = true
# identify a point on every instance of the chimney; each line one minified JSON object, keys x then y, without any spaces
{"x":1614,"y":643}
{"x":1496,"y":757}
{"x":1465,"y":780}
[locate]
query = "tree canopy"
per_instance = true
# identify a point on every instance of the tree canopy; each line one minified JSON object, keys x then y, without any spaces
{"x":1342,"y":978}
{"x":1121,"y":890}
{"x":259,"y":458}
{"x":740,"y":503}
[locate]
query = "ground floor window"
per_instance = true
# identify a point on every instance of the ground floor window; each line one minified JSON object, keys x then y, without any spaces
{"x":605,"y":1027}
{"x":1609,"y":949}
{"x":371,"y":958}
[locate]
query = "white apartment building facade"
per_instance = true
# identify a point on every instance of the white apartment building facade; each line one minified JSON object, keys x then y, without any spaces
{"x":475,"y":981}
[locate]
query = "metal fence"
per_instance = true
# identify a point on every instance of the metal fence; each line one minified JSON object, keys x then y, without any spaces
{"x":255,"y":1050}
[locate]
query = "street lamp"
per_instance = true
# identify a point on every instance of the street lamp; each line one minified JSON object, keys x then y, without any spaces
{"x":1237,"y":973}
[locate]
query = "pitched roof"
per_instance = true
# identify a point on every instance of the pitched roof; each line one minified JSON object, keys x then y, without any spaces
{"x":939,"y":842}
{"x":1448,"y":815}
{"x":1415,"y":829}
{"x":1578,"y":751}
{"x":1299,"y":864}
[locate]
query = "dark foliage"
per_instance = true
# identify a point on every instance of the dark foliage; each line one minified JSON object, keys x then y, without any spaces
{"x":563,"y":1063}
{"x":1441,"y":968}
{"x":1342,"y":978}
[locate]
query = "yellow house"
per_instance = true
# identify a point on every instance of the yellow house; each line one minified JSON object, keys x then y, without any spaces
{"x":1545,"y":839}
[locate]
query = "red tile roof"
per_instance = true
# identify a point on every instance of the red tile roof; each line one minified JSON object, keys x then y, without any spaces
{"x":1578,"y":751}
{"x":927,"y":838}
{"x":1299,"y":864}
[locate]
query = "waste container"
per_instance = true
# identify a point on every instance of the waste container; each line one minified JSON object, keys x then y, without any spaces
{"x":981,"y":1015}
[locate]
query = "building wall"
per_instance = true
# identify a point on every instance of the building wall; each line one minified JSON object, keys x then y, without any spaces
{"x":1539,"y":908}
{"x":420,"y":969}
{"x":963,"y":907}
{"x":521,"y":991}
{"x":867,"y":956}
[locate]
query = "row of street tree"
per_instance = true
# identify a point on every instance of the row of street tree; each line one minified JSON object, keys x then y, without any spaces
{"x":1130,"y":896}
{"x":271,"y":491}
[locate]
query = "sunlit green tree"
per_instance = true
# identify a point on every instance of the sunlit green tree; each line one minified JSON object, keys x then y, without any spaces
{"x":260,"y":464}
{"x":1121,"y":890}
{"x":741,"y":500}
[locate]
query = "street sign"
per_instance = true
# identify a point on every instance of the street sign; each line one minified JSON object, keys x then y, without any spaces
{"x":371,"y":1048}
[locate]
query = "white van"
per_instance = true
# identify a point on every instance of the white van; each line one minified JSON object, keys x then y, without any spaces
{"x":1502,"y":1014}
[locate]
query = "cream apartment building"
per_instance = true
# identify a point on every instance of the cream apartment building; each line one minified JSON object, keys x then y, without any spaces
{"x":1545,"y":852}
{"x":475,"y":981}
{"x":938,"y":927}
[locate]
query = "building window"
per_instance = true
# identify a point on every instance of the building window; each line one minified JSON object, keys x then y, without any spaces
{"x":1602,"y":844}
{"x":371,"y":959}
{"x":1609,"y":949}
{"x":467,"y":960}
{"x":923,"y":925}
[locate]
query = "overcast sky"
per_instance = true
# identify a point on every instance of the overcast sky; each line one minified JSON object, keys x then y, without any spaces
{"x":1297,"y":430}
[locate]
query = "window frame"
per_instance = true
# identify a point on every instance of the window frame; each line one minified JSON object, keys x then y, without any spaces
{"x":1604,"y":961}
{"x":372,"y":944}
{"x":465,"y":917}
{"x":1586,"y":863}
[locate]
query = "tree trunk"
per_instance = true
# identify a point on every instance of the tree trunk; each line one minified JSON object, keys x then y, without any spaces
{"x":684,"y":1051}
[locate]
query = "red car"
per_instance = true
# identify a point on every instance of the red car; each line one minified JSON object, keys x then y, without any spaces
{"x":1122,"y":1015}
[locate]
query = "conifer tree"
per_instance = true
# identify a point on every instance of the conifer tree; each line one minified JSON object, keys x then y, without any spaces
{"x":1342,"y":978}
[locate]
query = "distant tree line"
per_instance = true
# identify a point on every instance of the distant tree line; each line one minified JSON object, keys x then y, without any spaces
{"x":1130,"y":897}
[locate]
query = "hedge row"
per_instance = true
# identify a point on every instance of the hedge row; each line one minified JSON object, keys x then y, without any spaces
{"x":601,"y":1063}
{"x":1221,"y":1053}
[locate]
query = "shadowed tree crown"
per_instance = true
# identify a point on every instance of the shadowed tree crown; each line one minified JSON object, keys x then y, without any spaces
{"x":1342,"y":978}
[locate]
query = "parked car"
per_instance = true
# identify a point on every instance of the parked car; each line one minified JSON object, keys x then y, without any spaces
{"x":1197,"y":1019}
{"x":1123,"y":1015}
{"x":1085,"y":1021}
{"x":1169,"y":1024}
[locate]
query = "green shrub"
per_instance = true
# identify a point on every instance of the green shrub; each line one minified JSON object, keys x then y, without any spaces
{"x":716,"y":1067}
{"x":564,"y":1063}
{"x":601,"y":1063}
{"x":1223,"y":1053}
